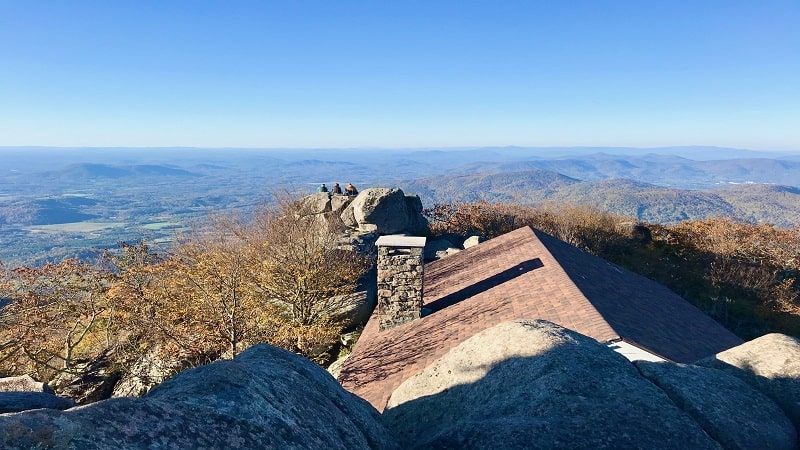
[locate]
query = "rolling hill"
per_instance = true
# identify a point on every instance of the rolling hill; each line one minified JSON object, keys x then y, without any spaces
{"x":775,"y":204}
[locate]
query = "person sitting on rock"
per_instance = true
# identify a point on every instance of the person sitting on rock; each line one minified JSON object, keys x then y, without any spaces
{"x":322,"y":188}
{"x":350,"y":189}
{"x":337,"y":189}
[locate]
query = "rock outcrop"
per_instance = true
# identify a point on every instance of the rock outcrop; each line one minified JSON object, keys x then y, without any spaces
{"x":385,"y":211}
{"x":771,"y":364}
{"x":374,"y":210}
{"x":440,"y":248}
{"x":472,"y":241}
{"x":151,"y":369}
{"x":11,"y":402}
{"x":532,"y":384}
{"x":23,"y":393}
{"x":23,"y":383}
{"x":355,"y":309}
{"x":263,"y":398}
{"x":729,"y":410}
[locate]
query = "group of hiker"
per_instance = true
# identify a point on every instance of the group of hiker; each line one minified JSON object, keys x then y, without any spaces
{"x":349,"y":190}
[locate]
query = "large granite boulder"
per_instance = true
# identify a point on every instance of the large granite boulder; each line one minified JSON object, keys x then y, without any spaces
{"x":384,"y":211}
{"x":733,"y":413}
{"x":335,"y":369}
{"x":374,"y":210}
{"x":339,"y":203}
{"x":314,"y":204}
{"x":418,"y":222}
{"x":354,"y":310}
{"x":771,"y":364}
{"x":23,"y":393}
{"x":23,"y":383}
{"x":532,"y":384}
{"x":263,"y":398}
{"x":22,"y":401}
{"x":149,"y":370}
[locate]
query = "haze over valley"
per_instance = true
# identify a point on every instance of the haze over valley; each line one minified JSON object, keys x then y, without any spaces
{"x":73,"y":202}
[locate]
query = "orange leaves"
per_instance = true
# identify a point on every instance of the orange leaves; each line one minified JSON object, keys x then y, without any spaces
{"x":57,"y":317}
{"x":278,"y":279}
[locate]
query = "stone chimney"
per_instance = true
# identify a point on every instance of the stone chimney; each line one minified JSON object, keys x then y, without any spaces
{"x":399,"y":279}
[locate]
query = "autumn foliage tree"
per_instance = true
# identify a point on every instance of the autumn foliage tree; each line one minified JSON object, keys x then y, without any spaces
{"x":280,"y":278}
{"x":301,"y":269}
{"x":56,"y":318}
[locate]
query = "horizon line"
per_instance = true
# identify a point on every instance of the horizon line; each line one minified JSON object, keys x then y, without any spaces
{"x":459,"y":147}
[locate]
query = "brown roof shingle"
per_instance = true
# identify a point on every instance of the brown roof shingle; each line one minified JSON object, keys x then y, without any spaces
{"x":527,"y":274}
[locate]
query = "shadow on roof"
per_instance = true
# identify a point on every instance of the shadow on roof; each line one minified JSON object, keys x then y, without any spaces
{"x":485,"y":284}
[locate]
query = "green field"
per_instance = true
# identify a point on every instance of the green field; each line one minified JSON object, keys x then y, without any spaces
{"x":74,"y":227}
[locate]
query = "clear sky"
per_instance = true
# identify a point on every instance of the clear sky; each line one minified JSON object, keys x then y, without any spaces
{"x":338,"y":73}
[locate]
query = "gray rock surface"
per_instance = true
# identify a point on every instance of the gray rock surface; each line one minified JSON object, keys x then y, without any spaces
{"x":348,"y":217}
{"x":325,"y":223}
{"x":339,"y":203}
{"x":356,"y":308}
{"x":445,"y":253}
{"x":23,"y":393}
{"x":733,"y":413}
{"x":771,"y":364}
{"x":383,"y":210}
{"x":414,"y":203}
{"x":438,"y":248}
{"x":363,"y":243}
{"x":472,"y":241}
{"x":315,"y":203}
{"x":150,"y":370}
{"x":264,"y":398}
{"x":23,"y":383}
{"x":532,"y":384}
{"x":336,"y":367}
{"x":418,"y":221}
{"x":22,"y":401}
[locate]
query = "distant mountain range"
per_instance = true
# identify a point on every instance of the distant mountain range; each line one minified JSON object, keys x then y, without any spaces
{"x":768,"y":203}
{"x":664,"y":170}
{"x":94,"y":198}
{"x":91,"y":171}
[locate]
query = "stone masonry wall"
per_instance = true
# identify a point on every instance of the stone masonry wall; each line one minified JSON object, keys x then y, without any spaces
{"x":399,"y":285}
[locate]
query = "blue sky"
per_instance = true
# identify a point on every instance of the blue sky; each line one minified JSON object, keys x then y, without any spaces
{"x":400,"y":74}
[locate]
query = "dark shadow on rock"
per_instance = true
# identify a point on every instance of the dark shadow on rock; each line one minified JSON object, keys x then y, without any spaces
{"x":784,"y":391}
{"x":730,"y":410}
{"x":562,"y":398}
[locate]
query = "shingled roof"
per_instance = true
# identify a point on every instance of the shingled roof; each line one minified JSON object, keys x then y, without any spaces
{"x":528,"y":274}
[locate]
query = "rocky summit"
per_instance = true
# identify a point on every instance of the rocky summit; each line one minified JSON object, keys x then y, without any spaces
{"x":532,"y":384}
{"x":263,"y":398}
{"x":374,"y":210}
{"x":519,"y":384}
